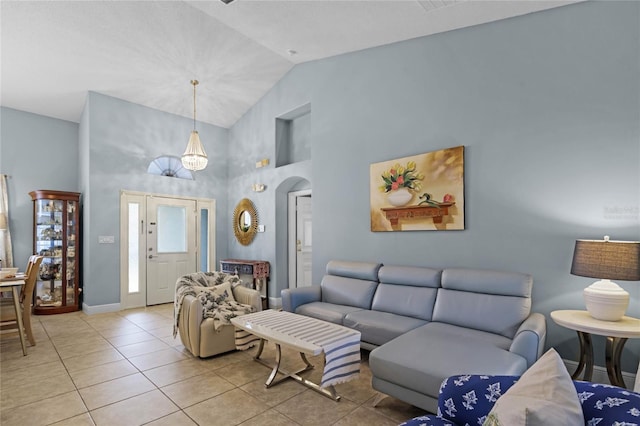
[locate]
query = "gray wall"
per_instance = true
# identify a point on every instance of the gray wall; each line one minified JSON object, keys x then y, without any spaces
{"x":547,"y":107}
{"x":38,"y":153}
{"x":123,"y":139}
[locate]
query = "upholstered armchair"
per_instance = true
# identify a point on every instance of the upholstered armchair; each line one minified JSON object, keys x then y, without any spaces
{"x":204,"y":302}
{"x":467,"y":400}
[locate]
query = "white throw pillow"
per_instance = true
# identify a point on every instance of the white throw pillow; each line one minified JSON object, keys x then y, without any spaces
{"x":544,"y":395}
{"x":217,"y":290}
{"x":223,"y":288}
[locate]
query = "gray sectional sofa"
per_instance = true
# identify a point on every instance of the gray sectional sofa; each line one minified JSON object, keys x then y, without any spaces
{"x":423,"y":325}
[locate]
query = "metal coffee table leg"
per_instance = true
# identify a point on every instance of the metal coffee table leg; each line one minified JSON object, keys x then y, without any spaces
{"x":329,"y":391}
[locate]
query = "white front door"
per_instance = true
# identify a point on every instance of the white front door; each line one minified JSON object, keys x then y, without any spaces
{"x":171,"y":245}
{"x":303,"y":241}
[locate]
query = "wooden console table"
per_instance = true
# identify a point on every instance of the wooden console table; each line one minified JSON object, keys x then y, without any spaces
{"x":257,"y":269}
{"x":394,"y":214}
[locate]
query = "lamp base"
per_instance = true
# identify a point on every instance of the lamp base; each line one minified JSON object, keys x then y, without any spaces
{"x":606,"y":300}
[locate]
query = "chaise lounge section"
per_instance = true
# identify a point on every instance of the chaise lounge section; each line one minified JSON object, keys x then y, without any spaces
{"x":424,"y":325}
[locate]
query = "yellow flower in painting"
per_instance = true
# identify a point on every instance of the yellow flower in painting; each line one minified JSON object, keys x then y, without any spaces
{"x":401,"y":177}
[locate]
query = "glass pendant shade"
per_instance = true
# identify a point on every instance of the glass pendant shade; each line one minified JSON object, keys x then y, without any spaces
{"x":194,"y":157}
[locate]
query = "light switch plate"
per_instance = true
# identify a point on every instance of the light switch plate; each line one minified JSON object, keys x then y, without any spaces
{"x":260,"y":228}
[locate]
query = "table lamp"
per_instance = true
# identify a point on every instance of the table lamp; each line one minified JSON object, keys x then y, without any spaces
{"x":607,"y":260}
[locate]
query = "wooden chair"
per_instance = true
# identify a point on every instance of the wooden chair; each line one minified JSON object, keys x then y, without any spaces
{"x":7,"y":310}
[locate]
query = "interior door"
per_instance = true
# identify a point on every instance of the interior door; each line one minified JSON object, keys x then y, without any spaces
{"x":303,"y":241}
{"x":171,"y":245}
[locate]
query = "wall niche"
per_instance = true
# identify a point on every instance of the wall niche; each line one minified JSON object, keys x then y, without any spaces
{"x":293,"y":136}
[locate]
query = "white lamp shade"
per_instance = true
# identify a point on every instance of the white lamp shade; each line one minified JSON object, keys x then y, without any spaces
{"x":194,"y":157}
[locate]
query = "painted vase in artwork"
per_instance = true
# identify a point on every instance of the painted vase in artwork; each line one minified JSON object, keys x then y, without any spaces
{"x":399,"y":197}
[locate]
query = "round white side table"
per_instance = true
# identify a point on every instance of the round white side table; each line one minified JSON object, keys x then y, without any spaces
{"x":616,"y":332}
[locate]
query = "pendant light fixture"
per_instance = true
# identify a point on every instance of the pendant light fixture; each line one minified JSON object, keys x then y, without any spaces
{"x":194,"y":157}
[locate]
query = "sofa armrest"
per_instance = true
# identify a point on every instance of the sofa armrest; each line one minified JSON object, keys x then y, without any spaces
{"x":530,"y":337}
{"x":248,"y":296}
{"x":189,"y":324}
{"x":294,"y":297}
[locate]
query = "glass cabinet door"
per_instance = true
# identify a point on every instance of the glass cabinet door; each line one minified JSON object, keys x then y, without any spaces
{"x":55,"y":238}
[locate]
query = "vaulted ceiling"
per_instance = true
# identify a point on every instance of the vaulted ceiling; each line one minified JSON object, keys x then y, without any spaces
{"x":146,"y":52}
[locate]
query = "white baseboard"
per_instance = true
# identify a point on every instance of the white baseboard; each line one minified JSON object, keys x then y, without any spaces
{"x":100,"y":309}
{"x":600,"y":374}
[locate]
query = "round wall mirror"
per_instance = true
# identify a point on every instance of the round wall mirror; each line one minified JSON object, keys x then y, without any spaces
{"x":245,"y":222}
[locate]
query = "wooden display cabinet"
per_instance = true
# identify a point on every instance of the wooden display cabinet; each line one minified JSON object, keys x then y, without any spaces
{"x":56,"y":237}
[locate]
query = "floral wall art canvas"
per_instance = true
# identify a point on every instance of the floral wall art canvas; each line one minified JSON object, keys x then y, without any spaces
{"x":423,"y":192}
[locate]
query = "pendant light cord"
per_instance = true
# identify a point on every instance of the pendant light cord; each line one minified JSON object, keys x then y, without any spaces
{"x":195,"y":83}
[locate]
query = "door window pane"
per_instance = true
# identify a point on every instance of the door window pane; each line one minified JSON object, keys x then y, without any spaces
{"x":134,"y":244}
{"x":172,"y":229}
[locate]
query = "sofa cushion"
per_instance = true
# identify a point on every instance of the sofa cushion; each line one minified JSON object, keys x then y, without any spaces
{"x":415,"y":302}
{"x":378,"y":328}
{"x":348,"y":291}
{"x":468,"y":295}
{"x":469,"y":334}
{"x":326,"y":311}
{"x":407,"y":290}
{"x":410,"y":275}
{"x":489,"y":282}
{"x":422,"y":358}
{"x":361,"y":270}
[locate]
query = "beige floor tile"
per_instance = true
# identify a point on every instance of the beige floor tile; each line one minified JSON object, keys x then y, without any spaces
{"x":175,"y":372}
{"x":138,"y":410}
{"x":176,"y":419}
{"x":81,"y":420}
{"x":76,"y":339}
{"x":115,"y":390}
{"x":19,"y":376}
{"x":395,"y":409}
{"x":226,"y":408}
{"x":245,"y":372}
{"x":124,"y":329}
{"x":196,"y":389}
{"x":358,"y":390}
{"x":92,"y":376}
{"x":140,"y":318}
{"x":107,"y":322}
{"x":35,"y":390}
{"x":361,"y":416}
{"x":39,"y":354}
{"x":269,"y":418}
{"x":163,"y":331}
{"x":276,"y":394}
{"x":162,"y":322}
{"x":157,"y":359}
{"x":311,"y":408}
{"x":171,"y":341}
{"x":129,"y":339}
{"x":93,"y":359}
{"x":142,"y":348}
{"x":45,"y":411}
{"x":223,"y":360}
{"x":97,"y":344}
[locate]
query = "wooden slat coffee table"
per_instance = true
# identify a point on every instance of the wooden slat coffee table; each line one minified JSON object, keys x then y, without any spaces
{"x":340,"y":346}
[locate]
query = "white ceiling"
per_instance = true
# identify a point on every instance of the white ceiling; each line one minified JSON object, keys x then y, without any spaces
{"x":146,"y":52}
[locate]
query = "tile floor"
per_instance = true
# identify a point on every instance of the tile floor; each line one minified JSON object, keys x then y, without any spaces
{"x":125,"y":368}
